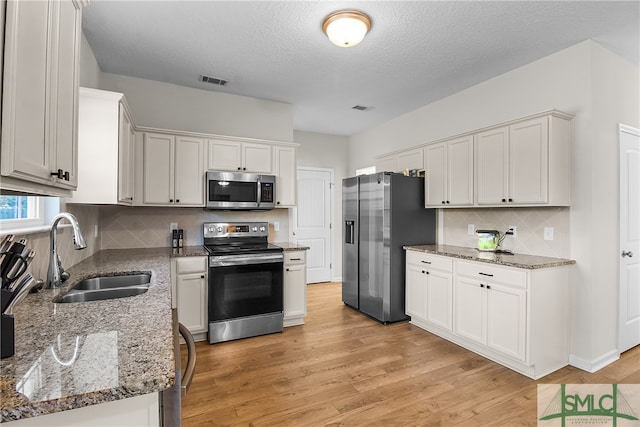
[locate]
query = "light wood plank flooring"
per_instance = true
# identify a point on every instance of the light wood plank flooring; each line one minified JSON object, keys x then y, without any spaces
{"x":344,"y":369}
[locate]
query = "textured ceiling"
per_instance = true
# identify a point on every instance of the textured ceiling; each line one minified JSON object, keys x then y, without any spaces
{"x":416,"y":52}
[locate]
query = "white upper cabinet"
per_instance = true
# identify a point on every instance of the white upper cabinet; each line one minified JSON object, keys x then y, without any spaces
{"x":285,"y":171}
{"x":40,"y":96}
{"x":398,"y":162}
{"x":172,"y":170}
{"x":106,"y":142}
{"x":449,"y":173}
{"x":227,"y":155}
{"x":526,"y":163}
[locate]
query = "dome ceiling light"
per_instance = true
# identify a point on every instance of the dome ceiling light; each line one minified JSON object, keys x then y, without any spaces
{"x":346,"y":28}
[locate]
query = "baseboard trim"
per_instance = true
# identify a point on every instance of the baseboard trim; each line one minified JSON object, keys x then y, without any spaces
{"x":595,"y":364}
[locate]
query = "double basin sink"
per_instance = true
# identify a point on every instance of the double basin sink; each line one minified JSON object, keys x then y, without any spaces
{"x":108,"y":287}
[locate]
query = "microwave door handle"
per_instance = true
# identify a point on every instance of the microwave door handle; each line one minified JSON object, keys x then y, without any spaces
{"x":259,"y":192}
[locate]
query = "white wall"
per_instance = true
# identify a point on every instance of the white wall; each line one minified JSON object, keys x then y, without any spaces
{"x":168,"y":106}
{"x":601,"y":89}
{"x":330,"y":152}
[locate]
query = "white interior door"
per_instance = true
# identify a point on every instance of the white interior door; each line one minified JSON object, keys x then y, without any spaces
{"x":312,"y":221}
{"x":629,"y":321}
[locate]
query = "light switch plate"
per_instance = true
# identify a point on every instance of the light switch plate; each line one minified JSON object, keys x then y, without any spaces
{"x":276,"y":226}
{"x":173,"y":226}
{"x":471,"y":229}
{"x":548,"y":233}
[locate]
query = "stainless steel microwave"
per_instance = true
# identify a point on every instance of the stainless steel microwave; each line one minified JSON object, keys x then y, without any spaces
{"x":240,"y":191}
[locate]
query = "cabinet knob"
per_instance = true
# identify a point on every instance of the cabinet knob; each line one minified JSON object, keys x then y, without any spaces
{"x":488,"y":287}
{"x":170,"y":200}
{"x":447,"y":202}
{"x":482,"y":285}
{"x":504,"y":200}
{"x":244,"y":169}
{"x":202,"y":277}
{"x":443,"y":202}
{"x":510,"y":200}
{"x":239,"y":168}
{"x":287,"y":269}
{"x":177,"y":200}
{"x":277,"y":203}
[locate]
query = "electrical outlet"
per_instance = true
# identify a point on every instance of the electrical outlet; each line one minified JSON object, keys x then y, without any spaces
{"x":514,"y":231}
{"x":173,"y":226}
{"x":548,"y":233}
{"x":471,"y":229}
{"x":276,"y":226}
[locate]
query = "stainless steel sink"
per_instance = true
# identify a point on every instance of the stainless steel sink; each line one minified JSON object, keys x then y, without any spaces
{"x":102,"y":294}
{"x":108,"y":282}
{"x":108,"y":287}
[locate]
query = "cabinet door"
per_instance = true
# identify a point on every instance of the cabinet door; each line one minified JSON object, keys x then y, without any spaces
{"x":413,"y":159}
{"x":469,"y":306}
{"x":26,"y":152}
{"x":257,"y":158}
{"x":529,"y":161}
{"x":225,"y":155}
{"x":157,"y":167}
{"x":506,"y":320}
{"x":192,"y":301}
{"x":435,"y":162}
{"x":492,"y":170}
{"x":387,"y":164}
{"x":295,"y":291}
{"x":285,"y":176}
{"x":189,"y":171}
{"x":415,"y":304}
{"x":126,"y":141}
{"x":439,"y":299}
{"x":64,"y":109}
{"x":460,"y":171}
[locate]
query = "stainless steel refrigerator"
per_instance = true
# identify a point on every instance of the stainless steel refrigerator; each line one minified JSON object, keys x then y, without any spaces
{"x":381,"y":213}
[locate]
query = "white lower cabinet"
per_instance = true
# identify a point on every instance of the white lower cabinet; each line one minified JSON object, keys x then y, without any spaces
{"x":189,"y":293}
{"x":516,"y":317}
{"x":295,"y":287}
{"x":429,"y":289}
{"x":139,"y":411}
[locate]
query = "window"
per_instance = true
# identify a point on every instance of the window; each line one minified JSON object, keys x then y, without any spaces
{"x":26,"y":213}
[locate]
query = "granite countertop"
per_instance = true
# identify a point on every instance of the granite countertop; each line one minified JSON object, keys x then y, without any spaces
{"x":189,"y":251}
{"x":73,"y":355}
{"x":290,"y":246}
{"x":516,"y":260}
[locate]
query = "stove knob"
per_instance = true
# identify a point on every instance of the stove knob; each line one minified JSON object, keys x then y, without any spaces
{"x":254,"y":229}
{"x":219,"y":229}
{"x":212,"y":229}
{"x":262,"y":228}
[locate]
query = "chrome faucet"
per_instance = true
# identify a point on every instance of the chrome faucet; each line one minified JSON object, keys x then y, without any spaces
{"x":56,"y":274}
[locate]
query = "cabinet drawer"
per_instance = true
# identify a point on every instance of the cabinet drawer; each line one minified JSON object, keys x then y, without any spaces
{"x":294,"y":257}
{"x":187,"y":265}
{"x":429,"y":260}
{"x":483,"y":271}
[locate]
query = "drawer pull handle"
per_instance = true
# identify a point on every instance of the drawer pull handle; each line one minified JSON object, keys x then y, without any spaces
{"x":426,"y":262}
{"x":296,"y":259}
{"x":486,"y":274}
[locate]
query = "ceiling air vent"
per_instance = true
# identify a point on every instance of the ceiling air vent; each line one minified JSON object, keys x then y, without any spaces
{"x":213,"y":80}
{"x":361,"y":108}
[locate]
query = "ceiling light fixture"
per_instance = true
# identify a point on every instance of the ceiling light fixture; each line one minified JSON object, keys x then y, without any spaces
{"x":346,"y":28}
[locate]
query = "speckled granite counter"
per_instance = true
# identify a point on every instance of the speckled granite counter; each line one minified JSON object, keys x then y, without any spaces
{"x":515,"y":260}
{"x":288,"y":246}
{"x":72,"y":355}
{"x":189,"y":251}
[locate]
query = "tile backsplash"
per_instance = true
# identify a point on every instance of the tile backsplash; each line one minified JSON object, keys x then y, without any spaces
{"x":530,"y":223}
{"x":148,"y":227}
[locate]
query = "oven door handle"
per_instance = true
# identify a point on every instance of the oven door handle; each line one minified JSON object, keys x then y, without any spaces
{"x":231,"y":260}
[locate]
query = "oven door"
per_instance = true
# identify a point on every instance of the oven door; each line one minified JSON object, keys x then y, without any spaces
{"x":245,"y":285}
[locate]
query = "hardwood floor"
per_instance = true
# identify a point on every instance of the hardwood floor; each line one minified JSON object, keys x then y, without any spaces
{"x":344,"y":369}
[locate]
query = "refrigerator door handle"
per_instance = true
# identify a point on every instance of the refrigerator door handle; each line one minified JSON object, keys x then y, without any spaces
{"x":349,"y":232}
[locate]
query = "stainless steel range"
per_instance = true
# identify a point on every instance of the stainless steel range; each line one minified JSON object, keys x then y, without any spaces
{"x":245,"y":281}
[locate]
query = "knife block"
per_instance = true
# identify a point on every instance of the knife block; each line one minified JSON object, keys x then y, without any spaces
{"x":7,"y":329}
{"x":7,"y":336}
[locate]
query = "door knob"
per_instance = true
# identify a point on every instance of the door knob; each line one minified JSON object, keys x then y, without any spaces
{"x":627,"y":253}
